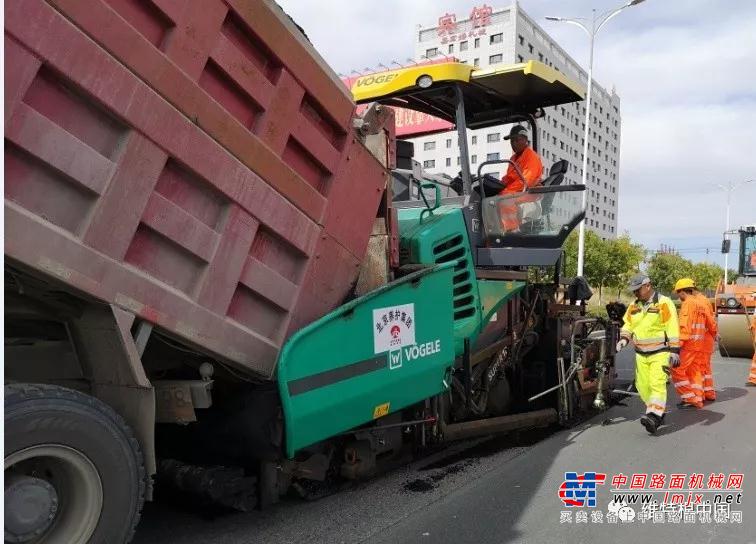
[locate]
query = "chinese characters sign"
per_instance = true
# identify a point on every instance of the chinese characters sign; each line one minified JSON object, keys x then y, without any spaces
{"x":393,"y":328}
{"x":448,"y":29}
{"x":654,"y":498}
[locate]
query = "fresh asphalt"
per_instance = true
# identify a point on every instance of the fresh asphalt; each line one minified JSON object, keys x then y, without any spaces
{"x":505,"y":489}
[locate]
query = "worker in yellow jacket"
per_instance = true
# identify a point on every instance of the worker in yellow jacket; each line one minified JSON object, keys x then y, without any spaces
{"x":651,"y":324}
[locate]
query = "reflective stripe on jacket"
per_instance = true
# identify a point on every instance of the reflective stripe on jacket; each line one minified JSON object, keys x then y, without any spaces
{"x":531,"y":167}
{"x":693,"y":335}
{"x":652,"y":325}
{"x":710,"y":322}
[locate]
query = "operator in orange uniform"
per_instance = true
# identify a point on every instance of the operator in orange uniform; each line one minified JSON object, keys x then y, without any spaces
{"x":710,"y":337}
{"x":687,"y":377}
{"x":529,"y":164}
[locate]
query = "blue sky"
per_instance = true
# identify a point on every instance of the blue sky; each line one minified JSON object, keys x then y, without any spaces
{"x":686,"y":73}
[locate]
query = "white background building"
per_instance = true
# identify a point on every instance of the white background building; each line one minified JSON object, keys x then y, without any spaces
{"x":508,"y":37}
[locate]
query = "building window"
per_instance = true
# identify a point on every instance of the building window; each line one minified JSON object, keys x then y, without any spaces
{"x":530,"y":48}
{"x":493,"y":137}
{"x":474,"y":140}
{"x":492,"y":157}
{"x":458,"y":161}
{"x":448,"y":161}
{"x":448,"y":143}
{"x":463,"y":46}
{"x":474,"y":159}
{"x":540,"y":57}
{"x":519,"y":58}
{"x":521,"y":39}
{"x":477,"y":42}
{"x":476,"y":62}
{"x":432,"y":52}
{"x":497,"y":38}
{"x":494,"y":59}
{"x":429,"y":164}
{"x":451,"y":48}
{"x":429,"y":146}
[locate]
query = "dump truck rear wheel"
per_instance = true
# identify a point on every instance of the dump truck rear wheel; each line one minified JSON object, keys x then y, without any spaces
{"x":73,"y":470}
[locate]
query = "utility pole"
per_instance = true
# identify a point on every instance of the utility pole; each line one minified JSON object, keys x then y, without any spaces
{"x":596,"y":24}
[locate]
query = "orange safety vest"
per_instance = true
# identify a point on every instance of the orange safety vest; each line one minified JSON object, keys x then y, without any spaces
{"x":709,"y":320}
{"x":529,"y":164}
{"x":692,"y":325}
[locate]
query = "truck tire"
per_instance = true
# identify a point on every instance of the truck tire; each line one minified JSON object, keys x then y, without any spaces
{"x":74,"y":472}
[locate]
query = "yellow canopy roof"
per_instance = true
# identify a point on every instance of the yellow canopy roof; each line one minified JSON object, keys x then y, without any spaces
{"x":490,"y":94}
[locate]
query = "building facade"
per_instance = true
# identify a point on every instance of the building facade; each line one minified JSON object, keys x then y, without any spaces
{"x":487,"y":37}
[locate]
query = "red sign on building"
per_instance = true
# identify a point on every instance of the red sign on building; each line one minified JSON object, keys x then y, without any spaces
{"x":447,"y":24}
{"x":480,"y":17}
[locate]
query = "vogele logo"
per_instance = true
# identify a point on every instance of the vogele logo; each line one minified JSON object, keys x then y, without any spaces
{"x":579,"y":490}
{"x":395,"y":359}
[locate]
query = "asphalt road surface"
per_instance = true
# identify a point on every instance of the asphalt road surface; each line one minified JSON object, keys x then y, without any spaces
{"x":505,"y":489}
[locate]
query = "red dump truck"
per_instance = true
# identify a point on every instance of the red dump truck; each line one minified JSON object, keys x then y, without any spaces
{"x":180,"y":186}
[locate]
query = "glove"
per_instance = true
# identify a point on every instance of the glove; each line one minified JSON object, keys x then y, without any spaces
{"x":717,"y":338}
{"x":622,"y":343}
{"x":674,"y":360}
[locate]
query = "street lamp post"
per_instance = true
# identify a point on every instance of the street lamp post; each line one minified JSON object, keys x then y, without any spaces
{"x":729,"y":189}
{"x":596,"y":24}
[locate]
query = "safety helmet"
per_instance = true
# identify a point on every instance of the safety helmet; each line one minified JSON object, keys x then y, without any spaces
{"x":684,"y":283}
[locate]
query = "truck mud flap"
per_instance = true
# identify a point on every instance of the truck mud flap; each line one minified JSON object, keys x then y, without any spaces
{"x":375,"y":355}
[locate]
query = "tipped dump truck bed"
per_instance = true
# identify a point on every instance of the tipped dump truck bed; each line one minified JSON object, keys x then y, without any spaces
{"x":191,"y":162}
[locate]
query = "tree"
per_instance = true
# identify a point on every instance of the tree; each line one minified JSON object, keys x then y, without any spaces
{"x":707,"y":275}
{"x":570,"y":254}
{"x":608,"y":263}
{"x":625,"y":258}
{"x":665,"y":269}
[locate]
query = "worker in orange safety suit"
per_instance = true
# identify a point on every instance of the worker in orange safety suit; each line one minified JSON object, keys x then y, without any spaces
{"x":527,"y":161}
{"x":687,"y":377}
{"x":710,"y":337}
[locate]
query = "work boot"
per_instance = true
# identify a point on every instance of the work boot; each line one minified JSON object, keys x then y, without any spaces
{"x":750,"y":384}
{"x":651,"y":422}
